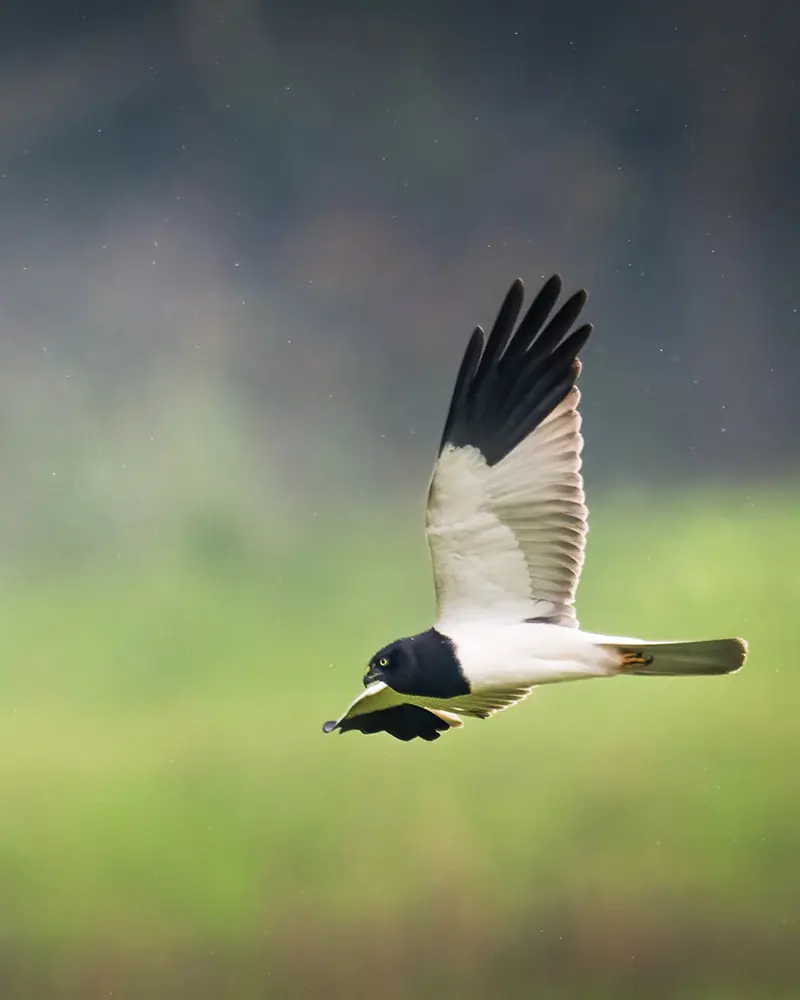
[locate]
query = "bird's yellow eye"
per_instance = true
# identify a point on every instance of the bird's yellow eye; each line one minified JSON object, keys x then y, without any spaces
{"x":383,"y":662}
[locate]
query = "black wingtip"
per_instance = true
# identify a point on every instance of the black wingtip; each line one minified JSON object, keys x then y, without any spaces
{"x":404,"y":722}
{"x":328,"y":727}
{"x":551,"y":288}
{"x":511,"y":381}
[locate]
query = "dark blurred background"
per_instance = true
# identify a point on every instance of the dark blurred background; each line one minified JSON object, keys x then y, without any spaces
{"x":243,"y":246}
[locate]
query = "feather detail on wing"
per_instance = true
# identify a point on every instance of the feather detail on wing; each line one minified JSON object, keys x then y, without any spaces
{"x":482,"y":704}
{"x":506,"y":520}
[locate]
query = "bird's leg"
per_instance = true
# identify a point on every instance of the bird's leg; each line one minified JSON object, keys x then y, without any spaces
{"x":633,"y":659}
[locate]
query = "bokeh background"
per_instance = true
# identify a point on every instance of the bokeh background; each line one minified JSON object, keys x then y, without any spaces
{"x":243,"y":245}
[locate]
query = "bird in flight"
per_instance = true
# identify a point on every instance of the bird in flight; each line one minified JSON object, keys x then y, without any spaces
{"x":506,"y":523}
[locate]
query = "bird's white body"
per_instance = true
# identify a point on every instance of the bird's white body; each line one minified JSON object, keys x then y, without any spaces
{"x":524,"y":654}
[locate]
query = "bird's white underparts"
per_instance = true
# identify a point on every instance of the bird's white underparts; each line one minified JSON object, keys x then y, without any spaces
{"x":506,"y":523}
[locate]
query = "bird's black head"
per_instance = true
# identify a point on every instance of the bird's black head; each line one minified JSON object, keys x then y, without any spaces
{"x":423,"y":665}
{"x":394,"y":664}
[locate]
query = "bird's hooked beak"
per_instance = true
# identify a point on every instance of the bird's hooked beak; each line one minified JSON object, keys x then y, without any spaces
{"x":373,"y":674}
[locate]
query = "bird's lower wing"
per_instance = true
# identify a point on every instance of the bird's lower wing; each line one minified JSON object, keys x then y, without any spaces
{"x":482,"y":704}
{"x":379,"y":709}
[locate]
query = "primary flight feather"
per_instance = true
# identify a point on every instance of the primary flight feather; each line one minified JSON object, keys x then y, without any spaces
{"x":506,"y":523}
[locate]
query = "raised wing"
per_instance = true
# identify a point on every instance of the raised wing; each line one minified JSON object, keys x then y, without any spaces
{"x":506,"y":520}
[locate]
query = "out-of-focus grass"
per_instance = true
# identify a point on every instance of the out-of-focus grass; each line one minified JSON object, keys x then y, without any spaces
{"x":164,"y":780}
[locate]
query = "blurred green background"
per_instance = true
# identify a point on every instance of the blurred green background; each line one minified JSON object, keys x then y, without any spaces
{"x":244,"y":244}
{"x":175,"y":824}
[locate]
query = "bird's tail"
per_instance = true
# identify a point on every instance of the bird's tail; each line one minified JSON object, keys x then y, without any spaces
{"x":682,"y":659}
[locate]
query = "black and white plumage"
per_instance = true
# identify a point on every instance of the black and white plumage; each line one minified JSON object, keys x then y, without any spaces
{"x":506,"y":523}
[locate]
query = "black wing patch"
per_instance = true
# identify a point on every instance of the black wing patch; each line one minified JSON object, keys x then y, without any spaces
{"x":404,"y":722}
{"x":511,"y":381}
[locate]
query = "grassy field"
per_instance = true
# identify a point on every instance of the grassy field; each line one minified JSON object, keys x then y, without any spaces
{"x":174,"y":823}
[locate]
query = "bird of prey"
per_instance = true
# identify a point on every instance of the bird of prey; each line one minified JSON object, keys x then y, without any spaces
{"x":506,"y":523}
